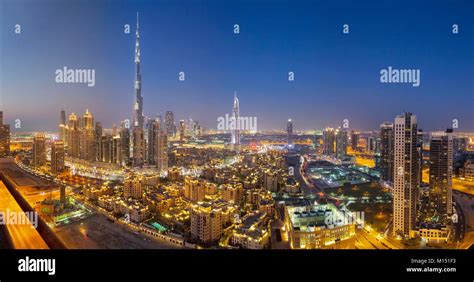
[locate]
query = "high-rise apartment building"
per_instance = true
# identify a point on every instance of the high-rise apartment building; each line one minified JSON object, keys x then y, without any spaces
{"x":441,"y":173}
{"x":88,"y":141}
{"x":328,"y":141}
{"x":354,"y":140}
{"x":39,"y":150}
{"x":125,"y":143}
{"x":182,"y":129}
{"x":406,"y":174}
{"x":161,"y":151}
{"x":341,"y":143}
{"x":169,"y":123}
{"x":74,"y":137}
{"x":152,"y":131}
{"x":57,"y":157}
{"x":386,"y":151}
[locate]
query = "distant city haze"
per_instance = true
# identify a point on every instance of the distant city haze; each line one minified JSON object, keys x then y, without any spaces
{"x":336,"y":75}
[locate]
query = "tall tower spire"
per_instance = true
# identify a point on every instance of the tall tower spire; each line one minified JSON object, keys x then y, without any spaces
{"x":138,"y":102}
{"x":235,"y":133}
{"x":138,"y":118}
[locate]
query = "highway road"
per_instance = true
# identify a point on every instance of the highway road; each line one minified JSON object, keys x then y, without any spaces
{"x":24,"y":236}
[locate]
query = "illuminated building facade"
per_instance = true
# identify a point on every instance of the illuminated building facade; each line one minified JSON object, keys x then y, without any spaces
{"x":74,"y":137}
{"x":4,"y":137}
{"x":406,"y":175}
{"x":235,"y":132}
{"x":39,"y":150}
{"x":57,"y":157}
{"x":328,"y":141}
{"x":169,"y":123}
{"x":252,"y":232}
{"x":125,"y":143}
{"x":209,"y":218}
{"x":386,"y":151}
{"x":232,"y":192}
{"x":289,"y":132}
{"x":308,"y":228}
{"x":341,"y":143}
{"x":87,"y":139}
{"x":63,"y":127}
{"x":182,"y":129}
{"x":354,"y":140}
{"x":441,"y":173}
{"x":133,"y":187}
{"x":161,"y":150}
{"x":138,"y":134}
{"x":194,"y":189}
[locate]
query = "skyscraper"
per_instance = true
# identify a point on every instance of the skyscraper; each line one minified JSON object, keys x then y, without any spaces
{"x":235,"y":131}
{"x":57,"y":157}
{"x":161,"y":151}
{"x":74,"y":136}
{"x":341,"y":143}
{"x":406,"y":173}
{"x":88,"y":140}
{"x":63,"y":127}
{"x":386,"y":151}
{"x":441,"y":172}
{"x":4,"y":137}
{"x":39,"y":150}
{"x":152,"y":131}
{"x":138,"y":140}
{"x":354,"y":140}
{"x":62,"y":118}
{"x":169,"y":123}
{"x":115,"y":150}
{"x":98,"y":135}
{"x":419,"y":148}
{"x":370,"y":145}
{"x":328,"y":141}
{"x":195,"y":129}
{"x":289,"y":132}
{"x":182,"y":129}
{"x":105,"y":149}
{"x":125,"y":143}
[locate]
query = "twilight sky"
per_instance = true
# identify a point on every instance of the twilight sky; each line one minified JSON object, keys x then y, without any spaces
{"x":336,"y":75}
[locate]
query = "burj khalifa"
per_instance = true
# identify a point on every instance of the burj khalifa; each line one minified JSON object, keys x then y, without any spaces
{"x":138,"y":139}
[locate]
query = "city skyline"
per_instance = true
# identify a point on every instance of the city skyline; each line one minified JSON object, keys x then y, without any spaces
{"x":202,"y":98}
{"x":337,"y":133}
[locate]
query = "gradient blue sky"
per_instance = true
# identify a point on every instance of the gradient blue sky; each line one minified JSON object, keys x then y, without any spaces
{"x":337,"y":75}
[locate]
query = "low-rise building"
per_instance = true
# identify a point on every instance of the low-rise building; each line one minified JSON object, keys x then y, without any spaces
{"x":314,"y":226}
{"x":136,"y":211}
{"x":432,"y":233}
{"x":252,"y":232}
{"x":209,"y":218}
{"x":232,"y":192}
{"x":469,"y":170}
